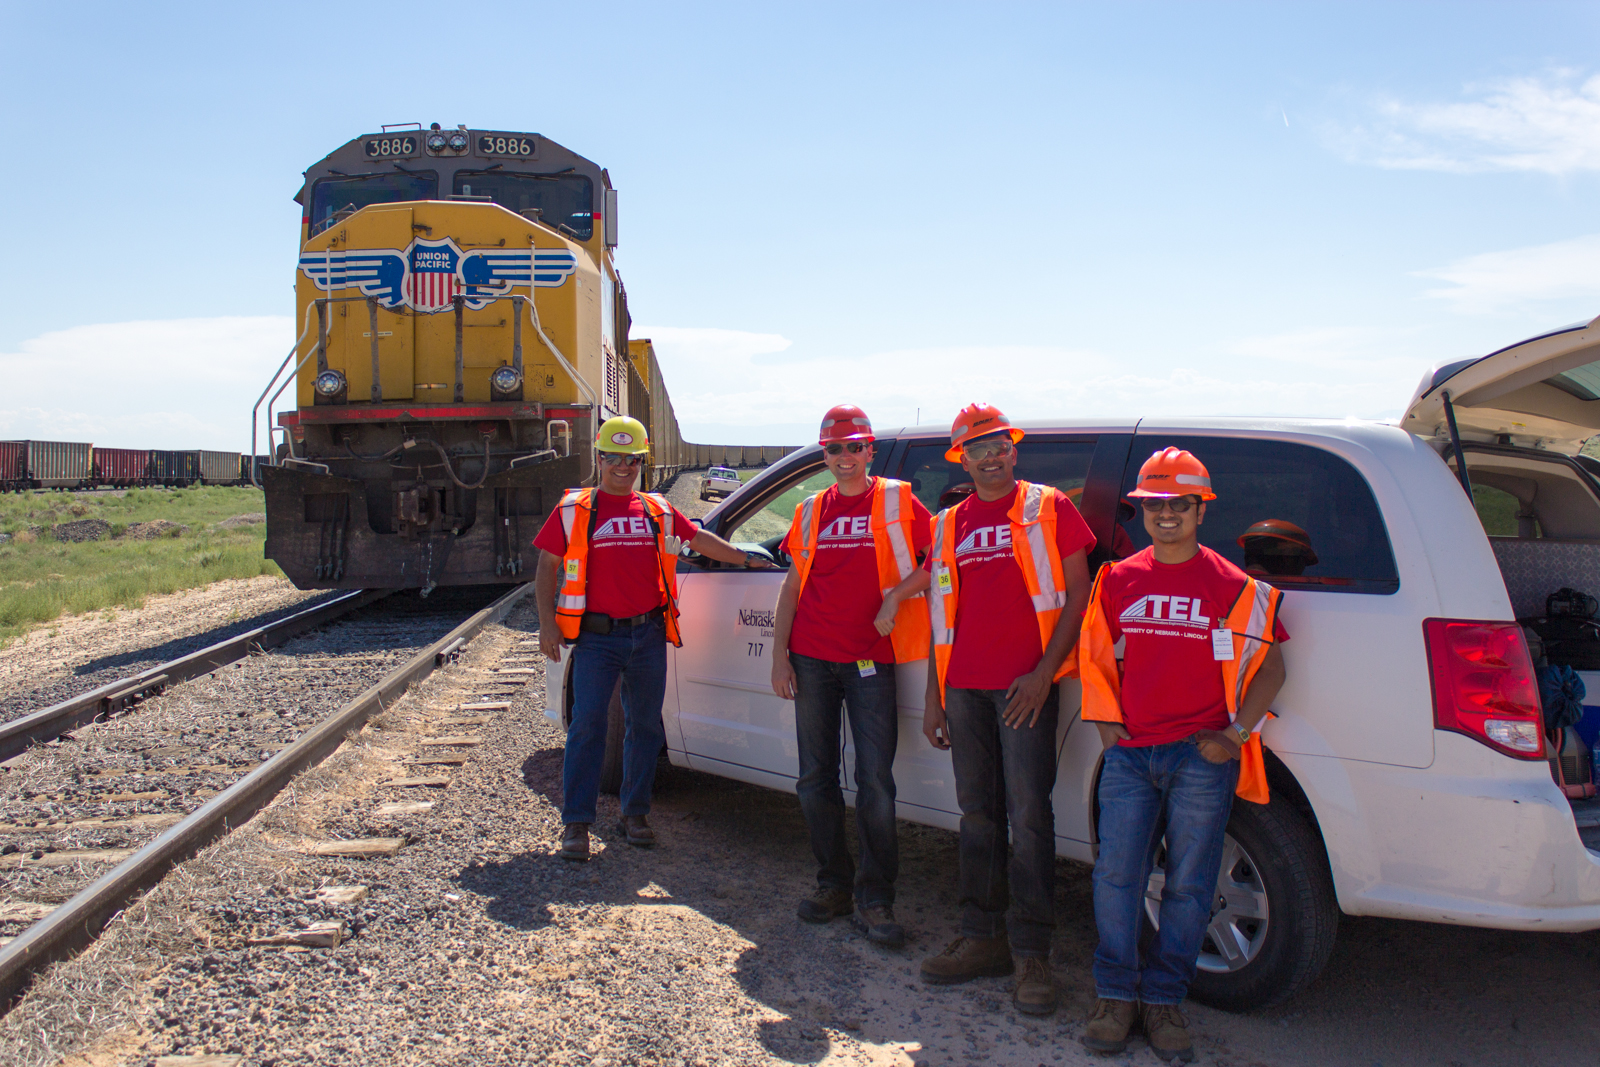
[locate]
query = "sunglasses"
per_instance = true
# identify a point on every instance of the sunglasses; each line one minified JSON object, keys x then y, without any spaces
{"x":617,"y":460}
{"x":1178,"y":504}
{"x":853,"y":447}
{"x":983,"y":450}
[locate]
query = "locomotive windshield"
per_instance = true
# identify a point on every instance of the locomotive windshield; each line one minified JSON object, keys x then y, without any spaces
{"x":333,"y":195}
{"x":564,"y":201}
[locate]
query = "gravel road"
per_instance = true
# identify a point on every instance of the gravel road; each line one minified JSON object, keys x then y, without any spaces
{"x":477,"y":945}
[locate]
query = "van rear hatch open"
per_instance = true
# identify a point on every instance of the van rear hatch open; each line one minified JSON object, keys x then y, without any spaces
{"x":1522,"y":415}
{"x":1540,"y":393}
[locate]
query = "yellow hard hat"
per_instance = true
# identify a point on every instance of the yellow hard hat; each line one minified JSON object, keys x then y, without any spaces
{"x":622,"y":434}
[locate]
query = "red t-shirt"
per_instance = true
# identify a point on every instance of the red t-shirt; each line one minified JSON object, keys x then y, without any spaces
{"x":997,"y":632}
{"x":624,"y":571}
{"x":833,"y":620}
{"x":1171,"y":684}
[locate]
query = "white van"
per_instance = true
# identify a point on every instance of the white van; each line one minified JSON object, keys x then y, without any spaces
{"x":1407,"y":762}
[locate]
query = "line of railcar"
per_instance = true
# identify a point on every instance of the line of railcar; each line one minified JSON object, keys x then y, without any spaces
{"x":77,"y":465}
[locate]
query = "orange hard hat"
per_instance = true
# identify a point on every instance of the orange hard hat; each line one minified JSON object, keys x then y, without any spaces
{"x":1174,"y":472}
{"x":977,"y":420}
{"x":1281,"y":530}
{"x":844,"y":422}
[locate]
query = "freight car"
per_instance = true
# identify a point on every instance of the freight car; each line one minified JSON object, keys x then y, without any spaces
{"x":174,"y":469}
{"x":121,"y":467}
{"x":46,"y":464}
{"x":463,"y":331}
{"x":219,"y":468}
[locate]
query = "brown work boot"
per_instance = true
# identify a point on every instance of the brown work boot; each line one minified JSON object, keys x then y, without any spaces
{"x":575,"y":842}
{"x":877,"y":922}
{"x":1109,"y":1025}
{"x":1036,"y":987}
{"x":636,"y":828}
{"x":1168,"y":1032}
{"x":967,"y":958}
{"x":826,"y":904}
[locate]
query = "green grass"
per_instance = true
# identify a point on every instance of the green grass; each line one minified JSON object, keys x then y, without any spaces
{"x":42,"y":579}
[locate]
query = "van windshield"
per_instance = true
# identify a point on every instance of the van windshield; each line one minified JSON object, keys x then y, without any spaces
{"x":330,"y":196}
{"x":564,"y":201}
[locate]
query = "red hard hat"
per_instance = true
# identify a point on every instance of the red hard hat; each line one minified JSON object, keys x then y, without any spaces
{"x":1281,"y":530}
{"x":977,"y":420}
{"x":1174,"y":472}
{"x":844,"y":422}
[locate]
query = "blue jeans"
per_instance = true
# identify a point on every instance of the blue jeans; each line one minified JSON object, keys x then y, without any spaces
{"x":822,"y":690}
{"x":639,"y":655}
{"x":1003,"y":779}
{"x":1145,"y":792}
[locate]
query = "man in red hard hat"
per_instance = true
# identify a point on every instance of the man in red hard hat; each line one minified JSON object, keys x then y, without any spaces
{"x":1201,"y":664}
{"x":850,"y":609}
{"x":1009,"y":580}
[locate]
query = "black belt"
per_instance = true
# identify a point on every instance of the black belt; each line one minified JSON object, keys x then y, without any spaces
{"x":595,"y":623}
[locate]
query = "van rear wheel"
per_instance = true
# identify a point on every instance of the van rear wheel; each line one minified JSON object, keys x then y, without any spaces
{"x":1275,"y":915}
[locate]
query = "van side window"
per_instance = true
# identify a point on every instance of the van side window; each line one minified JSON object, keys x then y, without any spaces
{"x":769,"y":524}
{"x":1311,"y":518}
{"x":1497,"y":509}
{"x":1063,"y":463}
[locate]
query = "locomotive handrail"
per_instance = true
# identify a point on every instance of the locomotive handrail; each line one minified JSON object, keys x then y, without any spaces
{"x":255,"y":417}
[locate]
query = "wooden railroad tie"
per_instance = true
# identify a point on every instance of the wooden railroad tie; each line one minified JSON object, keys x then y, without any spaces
{"x":361,"y":846}
{"x":434,"y":761}
{"x":414,"y":807}
{"x":485,"y":705}
{"x":466,"y":720}
{"x":317,"y":935}
{"x":454,"y":739}
{"x":412,"y":783}
{"x":66,"y":857}
{"x":200,"y":1059}
{"x":24,"y":912}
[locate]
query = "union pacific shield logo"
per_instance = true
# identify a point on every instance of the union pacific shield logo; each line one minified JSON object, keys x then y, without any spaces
{"x":426,"y":276}
{"x":431,"y":283}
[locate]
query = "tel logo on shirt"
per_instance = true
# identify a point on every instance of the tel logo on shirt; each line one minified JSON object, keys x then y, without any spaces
{"x":1179,"y":610}
{"x":623,"y":526}
{"x":985,"y":539}
{"x":854,"y":529}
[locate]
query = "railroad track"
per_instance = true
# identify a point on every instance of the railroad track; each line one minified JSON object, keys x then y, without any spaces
{"x":89,"y":817}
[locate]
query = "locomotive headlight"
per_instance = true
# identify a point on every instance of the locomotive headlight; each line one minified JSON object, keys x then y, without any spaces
{"x":505,"y":379}
{"x":436,"y":142}
{"x":330,"y":383}
{"x":458,"y":142}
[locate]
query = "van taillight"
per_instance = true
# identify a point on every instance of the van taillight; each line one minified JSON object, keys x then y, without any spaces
{"x":1484,"y":685}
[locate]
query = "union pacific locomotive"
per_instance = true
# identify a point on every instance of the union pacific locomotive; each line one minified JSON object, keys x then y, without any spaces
{"x":462,"y":331}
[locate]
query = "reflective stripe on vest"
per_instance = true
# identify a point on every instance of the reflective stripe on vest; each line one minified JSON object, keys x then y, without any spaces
{"x":573,"y":599}
{"x":1252,"y":619}
{"x":1033,"y":546}
{"x":892,"y":516}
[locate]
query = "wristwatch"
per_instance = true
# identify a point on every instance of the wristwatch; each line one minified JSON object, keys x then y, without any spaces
{"x":1244,"y":735}
{"x":749,"y":558}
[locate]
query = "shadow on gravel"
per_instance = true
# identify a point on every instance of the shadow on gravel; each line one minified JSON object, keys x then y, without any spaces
{"x":180,"y":646}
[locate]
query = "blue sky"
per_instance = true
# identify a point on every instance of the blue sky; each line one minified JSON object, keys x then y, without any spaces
{"x":1070,"y":209}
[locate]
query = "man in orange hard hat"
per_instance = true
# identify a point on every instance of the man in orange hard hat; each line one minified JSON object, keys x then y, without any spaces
{"x":1180,"y":741}
{"x":1009,"y":580}
{"x":850,"y":609}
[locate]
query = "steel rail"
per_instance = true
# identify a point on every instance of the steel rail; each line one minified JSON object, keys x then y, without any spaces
{"x":74,"y":924}
{"x":18,"y":734}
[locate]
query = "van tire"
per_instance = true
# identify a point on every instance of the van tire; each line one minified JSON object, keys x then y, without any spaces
{"x":1303,"y":911}
{"x":616,"y":730}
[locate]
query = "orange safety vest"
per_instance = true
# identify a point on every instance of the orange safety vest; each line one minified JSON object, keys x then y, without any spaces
{"x":893,"y":540}
{"x":1251,"y":620}
{"x":1033,"y":545}
{"x":577,"y":508}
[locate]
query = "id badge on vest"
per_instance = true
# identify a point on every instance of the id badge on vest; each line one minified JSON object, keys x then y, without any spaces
{"x":867,"y":667}
{"x":1221,"y":645}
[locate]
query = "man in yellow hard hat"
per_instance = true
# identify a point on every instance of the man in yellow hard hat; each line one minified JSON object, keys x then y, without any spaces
{"x":607,"y":584}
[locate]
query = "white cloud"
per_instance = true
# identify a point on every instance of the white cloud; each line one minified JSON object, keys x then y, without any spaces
{"x":176,"y":383}
{"x":1545,"y":124}
{"x":723,"y":393}
{"x":1493,"y":281}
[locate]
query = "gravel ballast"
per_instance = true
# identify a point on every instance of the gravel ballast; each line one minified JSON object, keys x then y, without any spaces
{"x":476,"y":944}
